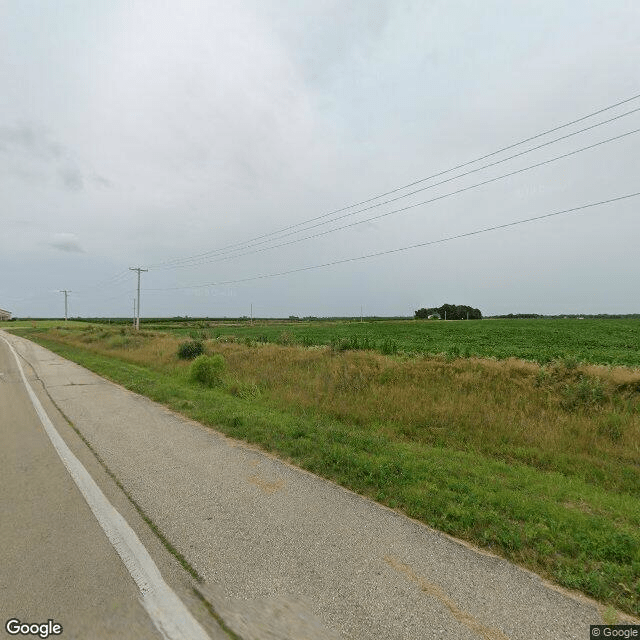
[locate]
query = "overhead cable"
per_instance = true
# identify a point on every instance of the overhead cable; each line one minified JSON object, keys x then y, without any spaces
{"x":406,"y":248}
{"x":423,"y":202}
{"x":397,"y":189}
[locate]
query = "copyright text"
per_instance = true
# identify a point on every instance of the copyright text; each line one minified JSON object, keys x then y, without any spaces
{"x":614,"y":631}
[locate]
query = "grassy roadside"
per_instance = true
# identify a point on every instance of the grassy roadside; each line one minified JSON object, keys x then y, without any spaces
{"x":528,"y":465}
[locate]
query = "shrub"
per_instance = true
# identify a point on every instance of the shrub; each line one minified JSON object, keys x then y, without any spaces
{"x":208,"y":370}
{"x":583,"y":394}
{"x":190,"y":350}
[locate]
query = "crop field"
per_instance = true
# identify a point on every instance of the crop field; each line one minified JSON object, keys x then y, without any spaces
{"x":520,"y":436}
{"x":596,"y":341}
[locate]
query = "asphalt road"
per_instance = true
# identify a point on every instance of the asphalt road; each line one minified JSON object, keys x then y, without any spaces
{"x":284,"y":554}
{"x":56,"y":562}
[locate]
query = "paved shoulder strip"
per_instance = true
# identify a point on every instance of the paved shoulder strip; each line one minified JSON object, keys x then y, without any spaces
{"x":168,"y":613}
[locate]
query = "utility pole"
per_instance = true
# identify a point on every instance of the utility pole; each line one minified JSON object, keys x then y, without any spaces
{"x":360,"y":313}
{"x":66,"y":293}
{"x":252,"y":313}
{"x":134,"y":312}
{"x":138,"y":269}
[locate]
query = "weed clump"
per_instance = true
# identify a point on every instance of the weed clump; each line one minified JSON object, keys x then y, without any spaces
{"x":190,"y":350}
{"x":353,"y":343}
{"x":570,"y":363}
{"x":584,"y":394}
{"x":244,"y":390}
{"x":612,"y":427}
{"x":389,"y":347}
{"x":208,"y":370}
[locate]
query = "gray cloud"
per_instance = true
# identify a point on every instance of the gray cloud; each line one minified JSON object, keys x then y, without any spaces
{"x":67,"y":242}
{"x":26,"y":138}
{"x":32,"y":155}
{"x":101,"y":181}
{"x":71,"y":178}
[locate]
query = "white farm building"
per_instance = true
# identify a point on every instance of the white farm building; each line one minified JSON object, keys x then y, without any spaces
{"x":5,"y":315}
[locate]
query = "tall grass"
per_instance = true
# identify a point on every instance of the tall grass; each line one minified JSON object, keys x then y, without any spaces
{"x":578,"y":420}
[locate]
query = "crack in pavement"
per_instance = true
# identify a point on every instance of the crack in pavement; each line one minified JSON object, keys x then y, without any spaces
{"x":436,"y":592}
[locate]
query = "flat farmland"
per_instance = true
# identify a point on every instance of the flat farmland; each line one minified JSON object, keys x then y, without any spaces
{"x":593,"y":341}
{"x":520,"y":436}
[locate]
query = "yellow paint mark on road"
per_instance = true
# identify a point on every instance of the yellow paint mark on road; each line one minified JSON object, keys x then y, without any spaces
{"x":435,"y":591}
{"x":266,"y":486}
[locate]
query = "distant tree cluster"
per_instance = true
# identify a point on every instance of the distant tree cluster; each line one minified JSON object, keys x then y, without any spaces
{"x":450,"y":312}
{"x":520,"y":316}
{"x":572,"y":316}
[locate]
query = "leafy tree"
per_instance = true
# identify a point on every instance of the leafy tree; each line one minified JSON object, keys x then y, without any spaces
{"x":450,"y":312}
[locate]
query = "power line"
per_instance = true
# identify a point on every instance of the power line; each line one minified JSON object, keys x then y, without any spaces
{"x":418,"y":204}
{"x":37,"y":294}
{"x":346,"y":215}
{"x":115,"y":280}
{"x":120,"y":295}
{"x":99,"y":291}
{"x":406,"y":248}
{"x":397,"y":189}
{"x":119,"y":278}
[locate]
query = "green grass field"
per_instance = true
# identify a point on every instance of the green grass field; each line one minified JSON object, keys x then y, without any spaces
{"x":614,"y":342}
{"x":539,"y":463}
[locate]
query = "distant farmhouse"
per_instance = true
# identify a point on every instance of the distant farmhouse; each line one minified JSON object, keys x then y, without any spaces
{"x":5,"y":315}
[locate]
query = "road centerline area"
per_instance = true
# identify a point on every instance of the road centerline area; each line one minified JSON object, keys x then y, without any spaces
{"x":167,"y":612}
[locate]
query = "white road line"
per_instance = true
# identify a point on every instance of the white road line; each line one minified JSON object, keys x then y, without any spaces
{"x":168,"y":613}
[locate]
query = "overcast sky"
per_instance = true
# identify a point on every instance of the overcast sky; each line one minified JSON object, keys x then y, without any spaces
{"x":137,"y":133}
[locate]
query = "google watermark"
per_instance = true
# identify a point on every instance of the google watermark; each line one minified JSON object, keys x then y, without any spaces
{"x":614,"y":631}
{"x":15,"y":627}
